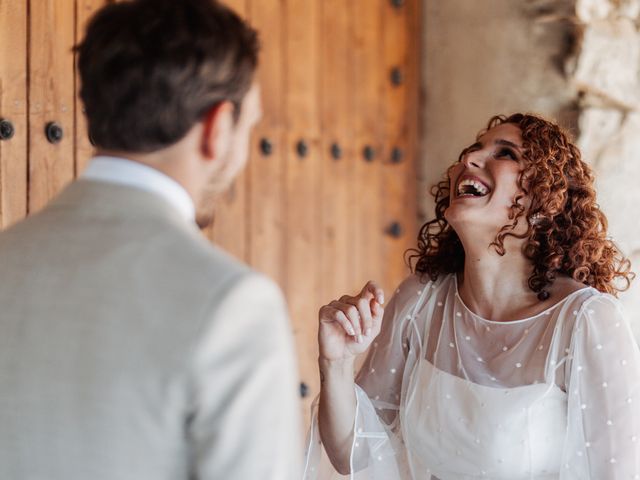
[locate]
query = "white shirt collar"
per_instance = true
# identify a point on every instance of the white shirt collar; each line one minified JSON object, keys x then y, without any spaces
{"x":134,"y":174}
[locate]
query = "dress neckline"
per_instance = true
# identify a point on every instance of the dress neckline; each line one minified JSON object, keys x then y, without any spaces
{"x":546,"y":311}
{"x":546,"y":387}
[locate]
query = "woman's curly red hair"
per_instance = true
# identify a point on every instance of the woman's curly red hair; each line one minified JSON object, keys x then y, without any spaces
{"x":567,"y":231}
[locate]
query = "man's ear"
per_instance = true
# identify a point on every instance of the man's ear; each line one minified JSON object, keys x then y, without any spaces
{"x":217,"y":131}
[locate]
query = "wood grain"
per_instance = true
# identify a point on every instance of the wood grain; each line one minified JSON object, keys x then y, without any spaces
{"x":337,"y":272}
{"x":399,"y":120}
{"x":303,"y":239}
{"x":51,"y":98}
{"x":367,"y":76}
{"x":266,"y":173}
{"x":14,"y":108}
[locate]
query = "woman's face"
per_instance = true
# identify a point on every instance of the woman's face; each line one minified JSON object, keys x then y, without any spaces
{"x":483,"y":184}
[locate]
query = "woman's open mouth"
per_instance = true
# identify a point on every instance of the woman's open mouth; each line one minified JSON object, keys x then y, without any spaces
{"x":471,"y":187}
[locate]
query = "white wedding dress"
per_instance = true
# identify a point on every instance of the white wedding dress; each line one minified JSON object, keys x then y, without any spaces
{"x":446,"y":394}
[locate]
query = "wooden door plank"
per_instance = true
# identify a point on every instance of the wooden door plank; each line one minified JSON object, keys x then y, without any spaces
{"x":399,"y":178}
{"x":337,"y":268}
{"x":229,"y":230}
{"x":303,"y":184}
{"x":13,"y":108}
{"x":265,"y":172}
{"x":412,"y":151}
{"x":367,"y":76}
{"x":51,"y":98}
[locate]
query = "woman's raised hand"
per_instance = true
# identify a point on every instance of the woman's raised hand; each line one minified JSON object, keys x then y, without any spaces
{"x":349,"y":325}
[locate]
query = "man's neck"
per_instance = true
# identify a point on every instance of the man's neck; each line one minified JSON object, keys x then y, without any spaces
{"x":163,"y":161}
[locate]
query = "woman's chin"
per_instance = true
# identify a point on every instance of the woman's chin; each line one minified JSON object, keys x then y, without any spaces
{"x":462,"y":210}
{"x":466,"y":218}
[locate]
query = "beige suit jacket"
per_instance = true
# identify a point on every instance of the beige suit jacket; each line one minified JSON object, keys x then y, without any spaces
{"x":131,"y":349}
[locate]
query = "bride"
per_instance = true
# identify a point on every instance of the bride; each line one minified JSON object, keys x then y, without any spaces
{"x":505,"y":355}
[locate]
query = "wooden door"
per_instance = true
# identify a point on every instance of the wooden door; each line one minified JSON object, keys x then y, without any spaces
{"x":328,"y":200}
{"x":330,"y":192}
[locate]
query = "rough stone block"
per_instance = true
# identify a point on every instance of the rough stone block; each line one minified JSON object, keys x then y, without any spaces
{"x":608,"y":64}
{"x":617,"y":167}
{"x":592,"y":10}
{"x":598,"y":127}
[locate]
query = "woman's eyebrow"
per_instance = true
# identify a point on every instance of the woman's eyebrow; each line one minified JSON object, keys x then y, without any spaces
{"x":507,"y":143}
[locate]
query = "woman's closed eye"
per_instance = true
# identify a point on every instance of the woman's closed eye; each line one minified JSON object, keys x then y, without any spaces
{"x":507,"y":152}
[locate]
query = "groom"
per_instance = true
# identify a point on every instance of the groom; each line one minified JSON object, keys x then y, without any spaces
{"x":130,"y":348}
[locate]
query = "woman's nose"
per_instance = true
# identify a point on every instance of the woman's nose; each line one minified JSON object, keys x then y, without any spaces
{"x":475,"y":159}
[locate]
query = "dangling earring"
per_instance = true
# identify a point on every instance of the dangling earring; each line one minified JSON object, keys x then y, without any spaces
{"x":536,"y":218}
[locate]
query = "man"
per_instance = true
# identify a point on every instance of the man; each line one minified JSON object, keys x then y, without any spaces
{"x":130,"y":348}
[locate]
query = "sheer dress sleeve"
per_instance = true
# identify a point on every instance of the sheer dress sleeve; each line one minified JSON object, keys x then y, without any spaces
{"x":376,"y":452}
{"x":603,"y":388}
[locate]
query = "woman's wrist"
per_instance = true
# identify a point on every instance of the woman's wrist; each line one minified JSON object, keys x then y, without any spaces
{"x":336,"y":368}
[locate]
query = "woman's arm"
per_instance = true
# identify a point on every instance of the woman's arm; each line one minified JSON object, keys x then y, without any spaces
{"x":336,"y":411}
{"x":603,"y":438}
{"x":347,"y":328}
{"x":355,"y":418}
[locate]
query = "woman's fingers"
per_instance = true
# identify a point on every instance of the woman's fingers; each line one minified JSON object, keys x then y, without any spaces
{"x":351,"y":312}
{"x":336,"y":315}
{"x":359,"y":315}
{"x":378,"y":314}
{"x":364,"y":311}
{"x":373,"y":290}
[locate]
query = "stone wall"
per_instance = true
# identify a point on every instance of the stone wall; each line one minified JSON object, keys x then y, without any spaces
{"x":605,"y":73}
{"x":576,"y":62}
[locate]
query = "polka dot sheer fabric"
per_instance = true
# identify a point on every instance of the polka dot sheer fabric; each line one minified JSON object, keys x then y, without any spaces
{"x":446,"y":394}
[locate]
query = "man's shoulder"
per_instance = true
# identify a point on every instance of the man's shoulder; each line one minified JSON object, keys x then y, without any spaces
{"x":221,"y":276}
{"x":193,"y":253}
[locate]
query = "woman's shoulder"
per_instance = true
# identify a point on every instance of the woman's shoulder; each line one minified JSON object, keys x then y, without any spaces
{"x":601,"y":304}
{"x":592,"y":309}
{"x":602,"y":332}
{"x":584,"y":300}
{"x":416,"y":290}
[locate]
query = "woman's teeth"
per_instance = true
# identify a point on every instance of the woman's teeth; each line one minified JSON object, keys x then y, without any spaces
{"x":472,"y":187}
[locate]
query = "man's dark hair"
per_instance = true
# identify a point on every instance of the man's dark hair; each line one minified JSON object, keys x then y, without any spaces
{"x":150,"y":69}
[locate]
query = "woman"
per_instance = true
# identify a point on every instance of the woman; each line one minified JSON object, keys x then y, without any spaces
{"x":505,"y":355}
